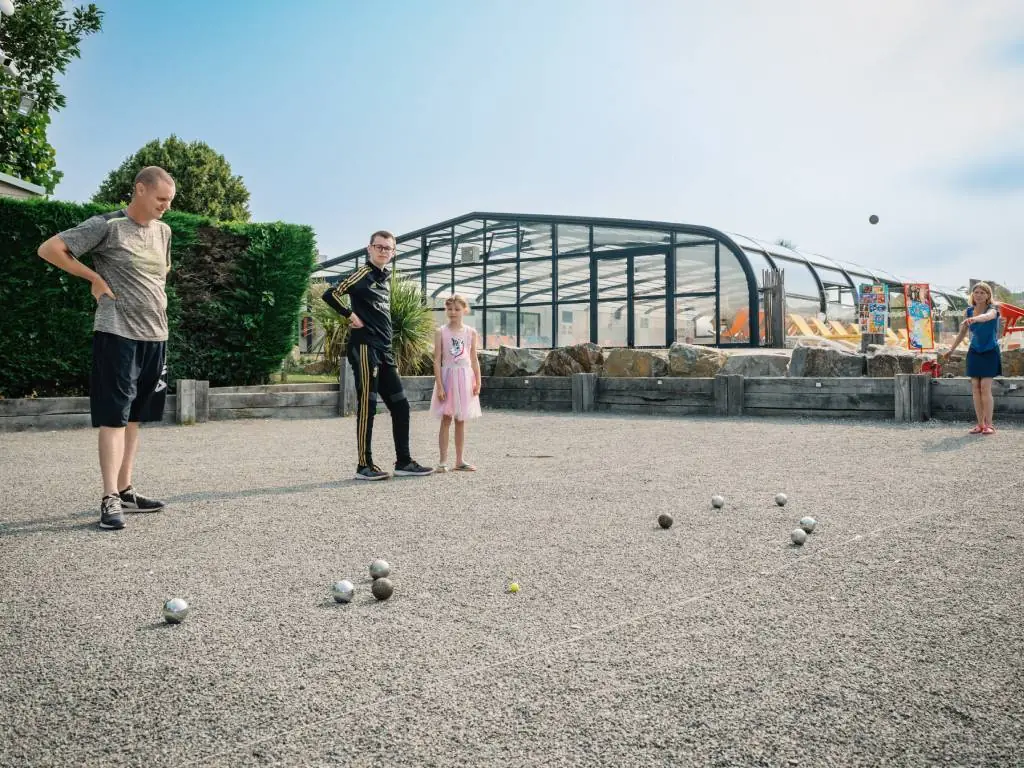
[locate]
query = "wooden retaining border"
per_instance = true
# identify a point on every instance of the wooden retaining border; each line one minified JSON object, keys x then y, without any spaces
{"x":904,"y":398}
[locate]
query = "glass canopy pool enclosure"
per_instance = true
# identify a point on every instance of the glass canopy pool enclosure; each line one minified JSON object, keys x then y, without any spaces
{"x":547,"y":281}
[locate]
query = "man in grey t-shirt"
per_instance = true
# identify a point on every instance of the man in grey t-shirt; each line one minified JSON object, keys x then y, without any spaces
{"x":131,"y":256}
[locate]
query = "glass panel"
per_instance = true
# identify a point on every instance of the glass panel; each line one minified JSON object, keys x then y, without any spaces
{"x":439,"y":248}
{"x":439,"y":285}
{"x":611,"y":278}
{"x":501,"y":328}
{"x":612,"y":324}
{"x":535,"y":240}
{"x":798,"y":278}
{"x":695,"y":266}
{"x":407,"y":257}
{"x":734,"y":295}
{"x":758,"y":263}
{"x":573,"y":239}
{"x":501,"y":284}
{"x":802,"y":315}
{"x":469,"y":281}
{"x":574,"y":279}
{"x":573,"y":324}
{"x":535,"y":281}
{"x":535,"y":327}
{"x":615,"y":238}
{"x":695,"y":319}
{"x":649,"y":275}
{"x":649,"y":323}
{"x":501,"y":241}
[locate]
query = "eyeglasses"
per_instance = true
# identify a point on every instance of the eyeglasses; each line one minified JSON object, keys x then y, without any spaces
{"x":383,"y":248}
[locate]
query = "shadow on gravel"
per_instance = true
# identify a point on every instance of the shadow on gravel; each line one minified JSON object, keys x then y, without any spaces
{"x":76,"y":521}
{"x":952,"y":443}
{"x":249,"y":493}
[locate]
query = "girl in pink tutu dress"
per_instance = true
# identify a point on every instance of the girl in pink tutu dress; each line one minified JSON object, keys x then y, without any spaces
{"x":456,"y":381}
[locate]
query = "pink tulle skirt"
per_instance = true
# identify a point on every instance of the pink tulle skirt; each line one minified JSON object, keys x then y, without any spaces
{"x":459,"y":402}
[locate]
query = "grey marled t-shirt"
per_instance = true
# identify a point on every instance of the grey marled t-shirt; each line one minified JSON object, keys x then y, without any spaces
{"x":134,"y":260}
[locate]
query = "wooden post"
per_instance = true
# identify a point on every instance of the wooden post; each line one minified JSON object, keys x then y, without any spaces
{"x":346,"y":389}
{"x":735,"y":394}
{"x":913,"y":397}
{"x":584,"y":392}
{"x":185,"y":410}
{"x":721,"y":390}
{"x":202,"y":402}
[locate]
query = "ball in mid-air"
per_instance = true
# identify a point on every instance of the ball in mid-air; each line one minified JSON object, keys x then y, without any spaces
{"x":382,"y":588}
{"x":717,"y":502}
{"x":665,"y":520}
{"x":343,"y":591}
{"x":808,"y":523}
{"x":175,"y":610}
{"x":379,"y":569}
{"x":799,"y":536}
{"x":873,"y":219}
{"x":780,"y":499}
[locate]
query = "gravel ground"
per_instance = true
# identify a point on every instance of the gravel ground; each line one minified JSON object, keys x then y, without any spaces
{"x":894,"y":636}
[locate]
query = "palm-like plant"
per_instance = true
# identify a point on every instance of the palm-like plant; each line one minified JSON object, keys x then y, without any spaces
{"x":411,"y":323}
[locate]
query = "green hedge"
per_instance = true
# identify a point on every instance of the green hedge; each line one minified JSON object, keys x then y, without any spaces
{"x":234,"y":300}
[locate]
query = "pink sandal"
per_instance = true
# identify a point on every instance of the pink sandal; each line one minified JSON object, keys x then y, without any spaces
{"x":988,"y":430}
{"x":976,"y":430}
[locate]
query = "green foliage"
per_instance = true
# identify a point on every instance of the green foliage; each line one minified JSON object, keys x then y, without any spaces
{"x":234,"y":299}
{"x":42,"y":38}
{"x":334,"y":327}
{"x":205,"y":184}
{"x":412,"y":325}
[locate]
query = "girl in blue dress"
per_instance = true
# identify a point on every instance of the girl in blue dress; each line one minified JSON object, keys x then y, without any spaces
{"x":983,"y":360}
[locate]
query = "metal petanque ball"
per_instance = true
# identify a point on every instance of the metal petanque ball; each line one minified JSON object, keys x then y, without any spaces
{"x":808,"y":523}
{"x":717,"y":502}
{"x":343,"y":591}
{"x":175,"y":610}
{"x":780,"y":499}
{"x":380,"y":569}
{"x":799,"y":536}
{"x":873,"y":219}
{"x":665,"y":520}
{"x":382,"y":588}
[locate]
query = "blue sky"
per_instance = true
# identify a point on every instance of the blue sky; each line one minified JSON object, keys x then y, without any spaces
{"x":789,"y":118}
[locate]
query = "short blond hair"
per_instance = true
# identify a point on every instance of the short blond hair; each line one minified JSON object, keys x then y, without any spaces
{"x":986,"y":288}
{"x":457,"y":298}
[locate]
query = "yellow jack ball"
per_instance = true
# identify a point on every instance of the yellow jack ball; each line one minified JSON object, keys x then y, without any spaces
{"x":513,"y":587}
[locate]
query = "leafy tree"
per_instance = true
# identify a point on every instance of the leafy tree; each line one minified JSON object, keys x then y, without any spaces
{"x":42,"y":38}
{"x":206,"y":186}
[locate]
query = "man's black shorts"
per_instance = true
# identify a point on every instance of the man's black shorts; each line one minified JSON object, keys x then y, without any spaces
{"x":128,"y":382}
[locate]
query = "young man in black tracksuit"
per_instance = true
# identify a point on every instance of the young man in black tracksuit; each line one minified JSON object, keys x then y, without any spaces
{"x":373,"y":363}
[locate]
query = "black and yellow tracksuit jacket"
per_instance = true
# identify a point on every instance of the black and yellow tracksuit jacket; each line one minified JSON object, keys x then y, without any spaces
{"x":369,"y":290}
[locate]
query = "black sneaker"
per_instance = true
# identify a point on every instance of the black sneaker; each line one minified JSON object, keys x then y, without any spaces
{"x":372,"y":472}
{"x":132,"y":501}
{"x":110,"y":513}
{"x":412,"y":468}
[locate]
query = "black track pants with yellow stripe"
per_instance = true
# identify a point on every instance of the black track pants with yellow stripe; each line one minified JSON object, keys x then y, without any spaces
{"x":375,"y":374}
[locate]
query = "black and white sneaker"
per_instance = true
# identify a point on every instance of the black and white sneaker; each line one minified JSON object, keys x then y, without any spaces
{"x":372,"y":472}
{"x":110,"y":513}
{"x":132,"y":501}
{"x":412,"y":468}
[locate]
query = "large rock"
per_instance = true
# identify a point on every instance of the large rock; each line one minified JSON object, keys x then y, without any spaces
{"x":487,"y":358}
{"x":519,"y":361}
{"x":764,"y":362}
{"x":694,"y":360}
{"x":635,"y":363}
{"x":825,"y":362}
{"x":792,"y":342}
{"x":1013,"y":362}
{"x":888,"y":361}
{"x":579,"y":358}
